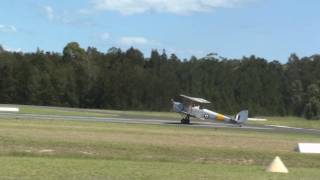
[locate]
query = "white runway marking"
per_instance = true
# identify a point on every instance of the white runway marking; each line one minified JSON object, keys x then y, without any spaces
{"x":257,"y":119}
{"x":296,"y":128}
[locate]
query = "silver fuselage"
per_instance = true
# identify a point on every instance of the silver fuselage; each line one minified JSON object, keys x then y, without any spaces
{"x":200,"y":113}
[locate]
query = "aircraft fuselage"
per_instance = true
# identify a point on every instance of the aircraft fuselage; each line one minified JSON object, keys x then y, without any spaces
{"x":200,"y":113}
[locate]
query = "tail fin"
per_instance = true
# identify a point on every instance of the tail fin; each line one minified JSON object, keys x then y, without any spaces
{"x":242,"y":117}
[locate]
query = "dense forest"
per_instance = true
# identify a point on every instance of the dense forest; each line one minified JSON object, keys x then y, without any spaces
{"x":125,"y":80}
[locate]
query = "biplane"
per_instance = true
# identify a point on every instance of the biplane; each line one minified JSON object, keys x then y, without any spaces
{"x":193,"y":107}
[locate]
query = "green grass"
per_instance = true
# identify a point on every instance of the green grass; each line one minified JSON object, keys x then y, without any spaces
{"x":44,"y":149}
{"x":58,"y":168}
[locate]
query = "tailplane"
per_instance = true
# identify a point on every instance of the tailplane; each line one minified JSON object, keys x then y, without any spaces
{"x":242,"y":117}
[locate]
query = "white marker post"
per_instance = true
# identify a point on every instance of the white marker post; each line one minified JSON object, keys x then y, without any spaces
{"x":9,"y":109}
{"x":308,"y":148}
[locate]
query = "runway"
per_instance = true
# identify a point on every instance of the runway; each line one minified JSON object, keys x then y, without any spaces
{"x":166,"y":122}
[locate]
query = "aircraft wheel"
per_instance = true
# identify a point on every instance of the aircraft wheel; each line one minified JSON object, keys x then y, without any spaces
{"x":185,"y":121}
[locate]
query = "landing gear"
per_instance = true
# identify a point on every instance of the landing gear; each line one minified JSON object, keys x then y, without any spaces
{"x":185,"y":120}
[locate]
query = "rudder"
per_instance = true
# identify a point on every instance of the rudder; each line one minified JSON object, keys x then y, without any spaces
{"x":242,"y":116}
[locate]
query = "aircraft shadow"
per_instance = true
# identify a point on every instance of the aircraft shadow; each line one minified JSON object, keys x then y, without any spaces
{"x":178,"y":123}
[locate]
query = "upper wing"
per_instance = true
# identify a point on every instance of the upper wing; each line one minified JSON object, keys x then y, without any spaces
{"x":195,"y":99}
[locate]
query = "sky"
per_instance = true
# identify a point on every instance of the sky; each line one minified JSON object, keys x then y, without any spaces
{"x":272,"y":29}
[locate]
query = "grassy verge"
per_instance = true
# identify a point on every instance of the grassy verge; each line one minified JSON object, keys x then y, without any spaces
{"x":39,"y":149}
{"x":58,"y":168}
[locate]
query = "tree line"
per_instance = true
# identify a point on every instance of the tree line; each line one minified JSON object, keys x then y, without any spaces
{"x":123,"y":80}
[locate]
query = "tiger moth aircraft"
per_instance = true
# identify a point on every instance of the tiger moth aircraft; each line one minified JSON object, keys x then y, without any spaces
{"x":193,"y":107}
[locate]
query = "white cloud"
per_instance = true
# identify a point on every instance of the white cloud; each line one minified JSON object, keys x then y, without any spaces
{"x":7,"y":28}
{"x":128,"y":7}
{"x":75,"y":18}
{"x":130,"y":41}
{"x":49,"y":12}
{"x":6,"y":48}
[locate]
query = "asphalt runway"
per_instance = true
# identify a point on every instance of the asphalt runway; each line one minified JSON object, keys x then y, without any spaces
{"x":172,"y":122}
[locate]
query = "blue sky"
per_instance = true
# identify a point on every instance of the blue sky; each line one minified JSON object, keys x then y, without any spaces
{"x":271,"y":29}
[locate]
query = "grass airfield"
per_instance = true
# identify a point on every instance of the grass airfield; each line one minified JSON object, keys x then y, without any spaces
{"x":48,"y":149}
